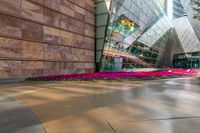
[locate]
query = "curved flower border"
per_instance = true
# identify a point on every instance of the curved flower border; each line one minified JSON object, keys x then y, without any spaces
{"x":167,"y":73}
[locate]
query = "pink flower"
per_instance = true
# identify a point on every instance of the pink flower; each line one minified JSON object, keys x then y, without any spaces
{"x":119,"y":75}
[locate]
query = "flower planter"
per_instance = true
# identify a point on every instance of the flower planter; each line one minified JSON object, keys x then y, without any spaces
{"x":167,"y":73}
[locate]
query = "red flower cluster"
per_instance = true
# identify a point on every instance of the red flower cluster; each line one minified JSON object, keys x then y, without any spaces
{"x":120,"y":75}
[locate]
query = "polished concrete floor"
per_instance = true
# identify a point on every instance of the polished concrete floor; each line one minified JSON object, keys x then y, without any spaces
{"x":157,"y":106}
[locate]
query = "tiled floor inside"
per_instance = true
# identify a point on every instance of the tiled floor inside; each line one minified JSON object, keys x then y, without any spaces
{"x":157,"y":106}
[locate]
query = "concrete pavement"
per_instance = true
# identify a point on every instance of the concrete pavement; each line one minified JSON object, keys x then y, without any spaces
{"x":157,"y":106}
{"x":16,"y":118}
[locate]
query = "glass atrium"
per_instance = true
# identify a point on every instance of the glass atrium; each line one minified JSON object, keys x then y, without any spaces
{"x":145,"y":34}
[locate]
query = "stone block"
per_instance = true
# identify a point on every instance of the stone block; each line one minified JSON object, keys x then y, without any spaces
{"x":69,"y":65}
{"x":51,"y":68}
{"x":71,"y":24}
{"x":51,"y":35}
{"x":79,"y":13}
{"x":78,"y":41}
{"x":10,"y":48}
{"x":67,"y":8}
{"x":89,"y":30}
{"x":66,"y":38}
{"x":32,"y":68}
{"x":10,"y":43}
{"x":89,"y":43}
{"x":32,"y":65}
{"x":79,"y":9}
{"x":89,"y":53}
{"x":89,"y":4}
{"x":79,"y":16}
{"x":69,"y":68}
{"x":53,"y":4}
{"x":89,"y":18}
{"x":65,"y":52}
{"x":32,"y":31}
{"x":38,"y":1}
{"x":10,"y":69}
{"x":52,"y":53}
{"x":51,"y":18}
{"x":10,"y":26}
{"x":89,"y":65}
{"x":32,"y":11}
{"x":80,"y":3}
{"x":32,"y":50}
{"x":31,"y":73}
{"x":11,"y":6}
{"x":71,"y":39}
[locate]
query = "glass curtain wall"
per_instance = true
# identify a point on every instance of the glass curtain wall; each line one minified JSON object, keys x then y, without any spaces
{"x":136,"y":35}
{"x":140,"y":33}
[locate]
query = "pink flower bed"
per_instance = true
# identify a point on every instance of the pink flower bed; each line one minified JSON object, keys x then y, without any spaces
{"x":167,"y":73}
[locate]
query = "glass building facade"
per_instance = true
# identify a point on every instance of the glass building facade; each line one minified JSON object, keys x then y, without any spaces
{"x":178,"y":9}
{"x":140,"y":34}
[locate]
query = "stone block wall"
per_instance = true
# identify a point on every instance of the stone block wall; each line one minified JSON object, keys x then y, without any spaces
{"x":45,"y":37}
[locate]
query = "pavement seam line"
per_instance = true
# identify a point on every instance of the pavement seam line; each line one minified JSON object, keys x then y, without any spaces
{"x":114,"y":131}
{"x":159,"y":119}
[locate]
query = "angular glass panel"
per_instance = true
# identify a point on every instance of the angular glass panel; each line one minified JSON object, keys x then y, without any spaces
{"x":142,"y":34}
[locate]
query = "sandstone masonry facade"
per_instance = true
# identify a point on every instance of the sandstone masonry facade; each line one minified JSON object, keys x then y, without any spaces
{"x":46,"y":37}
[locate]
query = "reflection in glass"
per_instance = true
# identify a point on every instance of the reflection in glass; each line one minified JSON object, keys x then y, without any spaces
{"x":145,"y":34}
